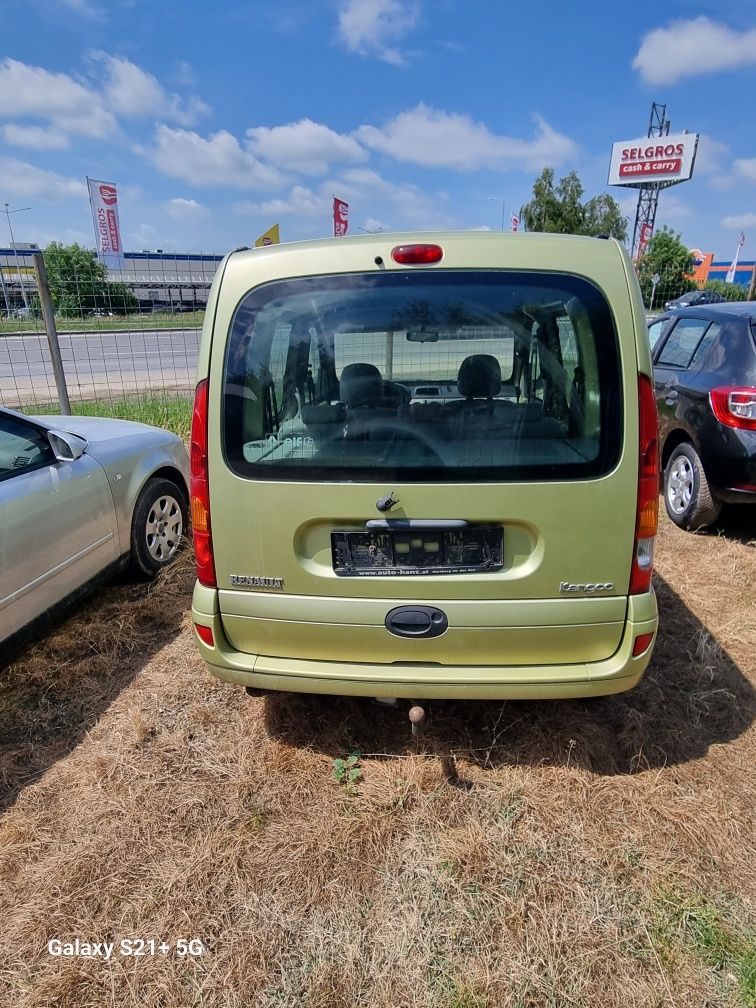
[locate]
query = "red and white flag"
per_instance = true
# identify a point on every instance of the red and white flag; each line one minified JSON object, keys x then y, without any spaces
{"x":103,"y":197}
{"x":340,"y":217}
{"x":730,"y":278}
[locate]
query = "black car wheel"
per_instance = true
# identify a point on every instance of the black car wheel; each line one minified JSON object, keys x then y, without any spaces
{"x":688,"y":499}
{"x":158,"y":526}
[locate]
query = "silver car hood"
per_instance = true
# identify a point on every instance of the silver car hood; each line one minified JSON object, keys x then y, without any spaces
{"x":95,"y":429}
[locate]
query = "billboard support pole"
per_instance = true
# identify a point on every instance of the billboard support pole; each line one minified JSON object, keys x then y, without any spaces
{"x":648,"y":195}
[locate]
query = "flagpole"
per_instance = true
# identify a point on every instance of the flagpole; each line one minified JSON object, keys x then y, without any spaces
{"x":730,"y":278}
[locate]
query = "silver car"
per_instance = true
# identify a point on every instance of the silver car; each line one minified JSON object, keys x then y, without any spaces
{"x":82,"y":498}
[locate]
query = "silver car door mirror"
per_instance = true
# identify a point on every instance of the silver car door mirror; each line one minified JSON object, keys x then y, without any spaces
{"x":66,"y":447}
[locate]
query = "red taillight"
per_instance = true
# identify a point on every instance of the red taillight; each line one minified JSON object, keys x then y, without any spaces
{"x":647,"y":511}
{"x":205,"y":634}
{"x":417,"y":255}
{"x":734,"y":406}
{"x":199,"y":490}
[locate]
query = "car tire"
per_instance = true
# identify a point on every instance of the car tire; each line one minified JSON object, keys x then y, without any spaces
{"x":687,"y":497}
{"x":158,"y":526}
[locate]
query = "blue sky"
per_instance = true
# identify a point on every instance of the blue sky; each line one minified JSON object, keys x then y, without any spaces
{"x":216,"y":120}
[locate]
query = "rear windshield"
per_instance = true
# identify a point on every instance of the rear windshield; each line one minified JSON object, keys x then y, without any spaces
{"x":422,"y":376}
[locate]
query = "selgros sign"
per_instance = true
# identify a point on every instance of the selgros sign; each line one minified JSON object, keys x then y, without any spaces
{"x":653,"y":159}
{"x":103,"y":196}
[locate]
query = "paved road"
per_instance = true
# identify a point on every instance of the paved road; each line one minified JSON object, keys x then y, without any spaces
{"x":98,"y":364}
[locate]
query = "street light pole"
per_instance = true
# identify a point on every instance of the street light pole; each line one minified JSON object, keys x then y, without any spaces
{"x":496,"y":199}
{"x":8,"y":212}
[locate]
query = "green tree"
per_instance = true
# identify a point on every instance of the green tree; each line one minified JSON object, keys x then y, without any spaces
{"x":121,"y":299}
{"x":602,"y":215}
{"x":668,"y":258}
{"x":558,"y":208}
{"x":730,"y":292}
{"x":79,"y":283}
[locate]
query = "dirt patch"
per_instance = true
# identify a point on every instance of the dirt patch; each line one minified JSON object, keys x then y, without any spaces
{"x":522,"y":855}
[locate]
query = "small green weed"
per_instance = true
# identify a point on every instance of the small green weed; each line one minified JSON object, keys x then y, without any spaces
{"x":463,"y":997}
{"x":348,"y":772}
{"x":712,"y":931}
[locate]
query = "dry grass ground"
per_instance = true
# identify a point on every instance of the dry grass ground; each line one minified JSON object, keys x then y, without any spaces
{"x":524,"y":855}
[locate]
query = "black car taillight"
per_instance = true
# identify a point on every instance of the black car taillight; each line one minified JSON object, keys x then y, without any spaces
{"x":734,"y":406}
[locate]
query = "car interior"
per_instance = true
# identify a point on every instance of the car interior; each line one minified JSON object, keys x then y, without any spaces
{"x":345,"y":388}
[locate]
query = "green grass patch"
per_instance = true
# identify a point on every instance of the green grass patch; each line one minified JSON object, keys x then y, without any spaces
{"x":717,"y":932}
{"x":180,"y":320}
{"x":171,"y":413}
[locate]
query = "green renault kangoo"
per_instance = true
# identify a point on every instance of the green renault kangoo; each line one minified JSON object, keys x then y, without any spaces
{"x":425,"y":465}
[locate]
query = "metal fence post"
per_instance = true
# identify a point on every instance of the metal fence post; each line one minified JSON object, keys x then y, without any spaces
{"x":52,"y":333}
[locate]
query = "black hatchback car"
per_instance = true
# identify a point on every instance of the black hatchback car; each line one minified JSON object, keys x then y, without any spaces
{"x":705,"y":377}
{"x":696,"y":297}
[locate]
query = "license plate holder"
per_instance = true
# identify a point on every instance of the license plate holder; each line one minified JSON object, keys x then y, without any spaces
{"x":397,"y":552}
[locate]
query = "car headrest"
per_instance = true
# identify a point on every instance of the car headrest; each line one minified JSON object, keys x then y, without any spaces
{"x":361,"y":384}
{"x":479,"y":377}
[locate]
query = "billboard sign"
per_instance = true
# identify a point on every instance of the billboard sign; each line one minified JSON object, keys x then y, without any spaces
{"x":103,"y":197}
{"x":653,"y":159}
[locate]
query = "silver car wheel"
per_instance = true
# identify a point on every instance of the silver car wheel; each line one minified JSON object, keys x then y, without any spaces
{"x":680,"y":485}
{"x":164,"y":528}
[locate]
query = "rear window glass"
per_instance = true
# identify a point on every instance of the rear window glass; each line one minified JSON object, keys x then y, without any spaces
{"x":422,"y":376}
{"x":682,"y":342}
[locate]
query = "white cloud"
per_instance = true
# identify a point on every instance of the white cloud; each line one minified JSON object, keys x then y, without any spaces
{"x":401,"y":205}
{"x":671,"y":209}
{"x":132,"y":92}
{"x":438,"y":139}
{"x":740,"y":222}
{"x":35,"y":137}
{"x":28,"y":181}
{"x":143,"y":237}
{"x":374,"y":203}
{"x":218,"y":160}
{"x":55,"y":97}
{"x":300,"y":202}
{"x":185,"y":208}
{"x":721,"y":183}
{"x":710,"y":154}
{"x":373,"y":27}
{"x":306,"y":146}
{"x":747,"y":168}
{"x":689,"y":48}
{"x":84,"y":7}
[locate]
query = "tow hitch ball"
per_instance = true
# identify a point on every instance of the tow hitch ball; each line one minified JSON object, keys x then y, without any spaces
{"x":417,"y":720}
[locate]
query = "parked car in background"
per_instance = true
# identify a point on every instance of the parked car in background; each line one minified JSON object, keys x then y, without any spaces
{"x":80,"y":499}
{"x":705,"y":379}
{"x":695,"y":297}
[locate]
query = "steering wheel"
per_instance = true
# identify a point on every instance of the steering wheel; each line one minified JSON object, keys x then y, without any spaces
{"x":394,"y":433}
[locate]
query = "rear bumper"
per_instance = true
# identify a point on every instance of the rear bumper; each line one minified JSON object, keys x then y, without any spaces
{"x":615,"y":674}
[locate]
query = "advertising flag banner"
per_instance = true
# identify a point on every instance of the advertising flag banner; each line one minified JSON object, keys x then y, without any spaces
{"x":340,"y":217}
{"x":646,"y":232}
{"x":271,"y":237}
{"x":730,"y":278}
{"x":515,"y":222}
{"x":103,"y":198}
